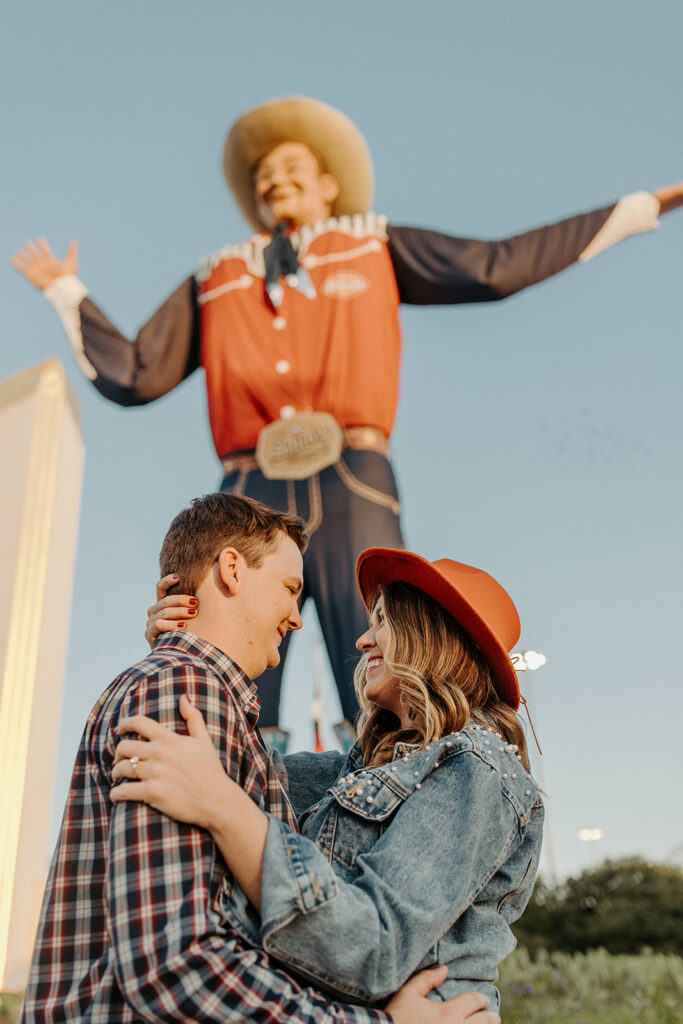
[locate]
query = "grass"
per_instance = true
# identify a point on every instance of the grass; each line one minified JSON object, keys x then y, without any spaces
{"x":591,"y":988}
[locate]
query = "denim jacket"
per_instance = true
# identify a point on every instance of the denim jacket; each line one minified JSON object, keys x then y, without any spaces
{"x":422,"y":861}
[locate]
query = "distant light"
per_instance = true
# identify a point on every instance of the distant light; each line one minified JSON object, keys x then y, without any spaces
{"x":590,"y":835}
{"x":534,"y":659}
{"x":523,"y":660}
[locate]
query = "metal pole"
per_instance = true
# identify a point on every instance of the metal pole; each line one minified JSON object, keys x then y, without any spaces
{"x":548,"y":844}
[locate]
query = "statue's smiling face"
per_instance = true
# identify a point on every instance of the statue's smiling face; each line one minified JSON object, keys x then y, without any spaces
{"x":290,"y":186}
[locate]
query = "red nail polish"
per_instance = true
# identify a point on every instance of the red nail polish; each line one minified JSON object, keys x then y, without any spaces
{"x":180,"y":625}
{"x":193,"y":602}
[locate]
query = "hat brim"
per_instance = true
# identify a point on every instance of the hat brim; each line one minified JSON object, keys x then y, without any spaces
{"x":380,"y":566}
{"x":299,"y":119}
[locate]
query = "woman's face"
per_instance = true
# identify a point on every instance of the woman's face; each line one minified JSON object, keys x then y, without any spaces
{"x":381,"y":687}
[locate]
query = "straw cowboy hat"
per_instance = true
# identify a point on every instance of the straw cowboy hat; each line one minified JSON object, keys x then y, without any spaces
{"x":327,"y":131}
{"x":475,"y":600}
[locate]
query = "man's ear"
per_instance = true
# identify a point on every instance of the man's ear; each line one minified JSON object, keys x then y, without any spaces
{"x":230,"y":569}
{"x":329,"y":187}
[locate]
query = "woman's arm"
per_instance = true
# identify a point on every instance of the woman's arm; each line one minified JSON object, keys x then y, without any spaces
{"x":364,"y":937}
{"x":182,"y":777}
{"x":361,"y":938}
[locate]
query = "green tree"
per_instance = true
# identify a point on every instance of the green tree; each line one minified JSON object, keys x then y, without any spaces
{"x":622,"y":906}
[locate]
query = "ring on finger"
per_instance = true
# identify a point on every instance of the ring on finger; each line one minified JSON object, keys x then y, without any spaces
{"x":134,"y":764}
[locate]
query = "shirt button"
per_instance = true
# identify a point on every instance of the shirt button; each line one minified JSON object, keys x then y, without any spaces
{"x":287,"y":411}
{"x":279,"y":323}
{"x":282,"y":366}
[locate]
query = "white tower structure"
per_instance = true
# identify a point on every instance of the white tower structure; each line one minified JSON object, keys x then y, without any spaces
{"x":41,"y":470}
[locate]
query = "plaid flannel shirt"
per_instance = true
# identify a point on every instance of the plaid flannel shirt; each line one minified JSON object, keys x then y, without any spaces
{"x":132,"y":926}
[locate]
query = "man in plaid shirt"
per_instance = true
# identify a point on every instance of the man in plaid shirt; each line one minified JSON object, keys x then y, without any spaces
{"x":134,"y":925}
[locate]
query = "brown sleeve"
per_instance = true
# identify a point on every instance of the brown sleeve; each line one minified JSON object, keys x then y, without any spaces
{"x":165,"y":351}
{"x":432,"y":268}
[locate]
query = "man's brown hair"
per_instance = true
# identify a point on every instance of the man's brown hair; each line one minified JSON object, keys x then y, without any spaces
{"x":199,"y":533}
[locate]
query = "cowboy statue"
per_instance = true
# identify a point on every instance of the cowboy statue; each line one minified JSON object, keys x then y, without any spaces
{"x":298,"y":333}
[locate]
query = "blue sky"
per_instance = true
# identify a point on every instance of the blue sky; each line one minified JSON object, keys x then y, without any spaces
{"x":539,"y":438}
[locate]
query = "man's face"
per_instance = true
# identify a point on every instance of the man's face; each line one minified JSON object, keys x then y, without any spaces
{"x":270,"y":606}
{"x":289,"y":186}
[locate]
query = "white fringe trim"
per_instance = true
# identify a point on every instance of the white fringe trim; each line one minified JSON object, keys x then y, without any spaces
{"x":245,"y":281}
{"x":360,"y":225}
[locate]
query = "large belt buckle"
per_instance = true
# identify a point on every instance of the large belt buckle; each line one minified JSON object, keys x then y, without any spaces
{"x":298,"y":447}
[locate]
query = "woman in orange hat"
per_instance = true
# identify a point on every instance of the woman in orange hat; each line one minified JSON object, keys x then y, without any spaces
{"x":419,"y":847}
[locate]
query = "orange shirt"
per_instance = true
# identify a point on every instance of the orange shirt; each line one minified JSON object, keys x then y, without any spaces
{"x":338,"y":352}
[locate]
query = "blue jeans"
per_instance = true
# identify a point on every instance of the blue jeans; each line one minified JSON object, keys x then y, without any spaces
{"x":347,"y":507}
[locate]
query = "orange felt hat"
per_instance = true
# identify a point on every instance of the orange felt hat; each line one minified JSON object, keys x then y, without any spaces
{"x":475,"y":600}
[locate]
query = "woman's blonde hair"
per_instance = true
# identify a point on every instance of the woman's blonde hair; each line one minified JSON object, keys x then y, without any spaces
{"x":444,"y":681}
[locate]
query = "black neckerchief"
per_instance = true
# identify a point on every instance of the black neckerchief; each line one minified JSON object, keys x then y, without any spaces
{"x":281,"y":261}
